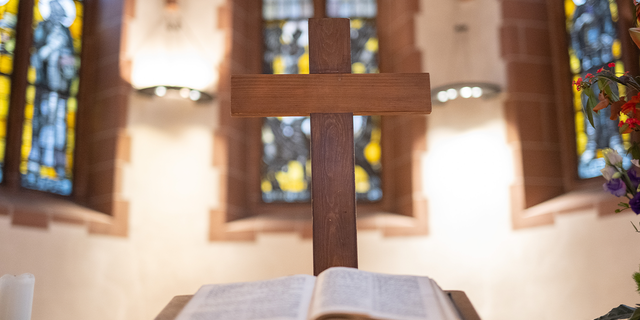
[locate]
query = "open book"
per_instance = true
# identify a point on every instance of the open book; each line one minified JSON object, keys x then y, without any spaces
{"x":337,"y":293}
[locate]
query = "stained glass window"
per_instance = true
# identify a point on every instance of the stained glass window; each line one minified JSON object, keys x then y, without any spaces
{"x":352,"y":8}
{"x":48,"y":140}
{"x":286,"y":170}
{"x":594,"y":43}
{"x":8,"y":20}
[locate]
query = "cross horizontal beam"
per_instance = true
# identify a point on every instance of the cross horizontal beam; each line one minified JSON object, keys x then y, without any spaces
{"x":304,"y":94}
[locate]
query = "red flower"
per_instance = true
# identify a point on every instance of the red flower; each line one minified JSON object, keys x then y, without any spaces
{"x":633,"y":122}
{"x":600,"y":70}
{"x":611,"y":65}
{"x":578,"y":83}
{"x":589,"y":75}
{"x":630,"y":106}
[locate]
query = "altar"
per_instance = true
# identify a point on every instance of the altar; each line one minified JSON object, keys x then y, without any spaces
{"x":331,"y":96}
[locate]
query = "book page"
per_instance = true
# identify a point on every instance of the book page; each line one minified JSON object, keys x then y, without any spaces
{"x":286,"y":298}
{"x":379,"y":296}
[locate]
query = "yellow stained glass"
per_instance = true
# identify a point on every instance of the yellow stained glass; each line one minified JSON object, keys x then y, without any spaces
{"x":616,"y":49}
{"x":373,"y":152}
{"x":292,"y":179}
{"x":71,"y":119}
{"x":6,"y":64}
{"x":358,"y":67}
{"x":31,"y":75}
{"x":303,"y":64}
{"x":4,"y":108}
{"x":278,"y":65}
{"x":12,"y":6}
{"x":574,"y":62}
{"x":569,"y":7}
{"x":581,"y":137}
{"x":8,"y":14}
{"x":362,"y":179}
{"x":49,"y":135}
{"x":28,"y":112}
{"x":73,"y":91}
{"x":5,"y":85}
{"x":286,"y":167}
{"x":372,"y":45}
{"x":69,"y":164}
{"x":71,"y":141}
{"x":266,"y":186}
{"x":613,"y":7}
{"x":583,"y":60}
{"x":72,"y":105}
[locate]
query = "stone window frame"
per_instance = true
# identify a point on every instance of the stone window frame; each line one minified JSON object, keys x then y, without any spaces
{"x":102,"y":145}
{"x":540,"y":123}
{"x":241,"y":214}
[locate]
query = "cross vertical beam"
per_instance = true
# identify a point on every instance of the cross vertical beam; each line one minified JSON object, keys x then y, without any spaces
{"x":331,"y":96}
{"x":332,"y":155}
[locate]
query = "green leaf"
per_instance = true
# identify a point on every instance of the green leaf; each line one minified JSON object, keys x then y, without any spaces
{"x":623,"y":128}
{"x":634,"y":150}
{"x":603,"y":84}
{"x":592,"y":101}
{"x":636,"y":278}
{"x":634,"y":226}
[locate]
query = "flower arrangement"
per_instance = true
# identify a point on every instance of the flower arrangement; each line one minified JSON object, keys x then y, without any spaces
{"x":607,"y":81}
{"x":620,"y":182}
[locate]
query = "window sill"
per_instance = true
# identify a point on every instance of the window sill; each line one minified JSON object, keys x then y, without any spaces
{"x":34,"y":209}
{"x":246,"y":229}
{"x":580,"y":200}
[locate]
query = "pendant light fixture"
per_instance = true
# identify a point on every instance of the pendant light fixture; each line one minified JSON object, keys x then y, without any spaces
{"x":170,"y":61}
{"x":463,"y":87}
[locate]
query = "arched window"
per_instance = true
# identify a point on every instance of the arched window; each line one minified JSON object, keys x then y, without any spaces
{"x":62,"y":121}
{"x":555,"y":151}
{"x":286,"y":170}
{"x":48,"y":138}
{"x":396,"y":205}
{"x":594,"y":44}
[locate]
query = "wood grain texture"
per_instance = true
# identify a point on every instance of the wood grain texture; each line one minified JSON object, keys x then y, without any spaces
{"x":329,"y":46}
{"x":333,"y":192}
{"x":304,"y":94}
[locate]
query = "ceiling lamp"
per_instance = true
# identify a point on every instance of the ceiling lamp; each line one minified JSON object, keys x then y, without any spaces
{"x":466,"y":84}
{"x":171,"y":62}
{"x":463,"y":90}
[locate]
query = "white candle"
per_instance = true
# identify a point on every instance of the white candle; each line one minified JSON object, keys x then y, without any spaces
{"x":16,"y":296}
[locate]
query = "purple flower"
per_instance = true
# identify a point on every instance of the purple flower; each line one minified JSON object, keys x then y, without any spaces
{"x":617,"y":188}
{"x":633,"y":176}
{"x":635,"y":203}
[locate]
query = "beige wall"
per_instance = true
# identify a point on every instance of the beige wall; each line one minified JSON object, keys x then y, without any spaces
{"x":578,"y":268}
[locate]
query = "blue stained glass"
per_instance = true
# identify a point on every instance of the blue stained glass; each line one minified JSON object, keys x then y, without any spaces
{"x":286,"y":167}
{"x":51,"y":101}
{"x":351,"y":8}
{"x":594,"y":43}
{"x":287,"y":9}
{"x":8,"y":20}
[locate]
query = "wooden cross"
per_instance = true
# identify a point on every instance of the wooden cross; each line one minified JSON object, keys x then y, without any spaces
{"x":331,"y":95}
